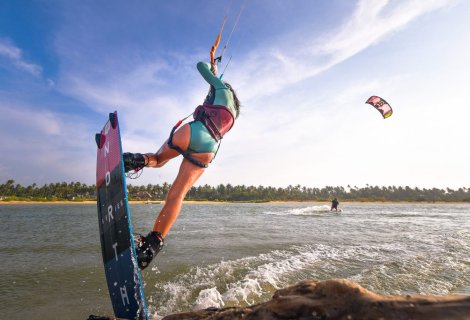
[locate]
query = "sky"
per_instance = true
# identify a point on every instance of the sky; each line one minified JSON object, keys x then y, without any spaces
{"x":302,"y":69}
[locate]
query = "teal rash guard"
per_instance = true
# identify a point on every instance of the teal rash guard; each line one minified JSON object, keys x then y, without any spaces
{"x":201,"y":140}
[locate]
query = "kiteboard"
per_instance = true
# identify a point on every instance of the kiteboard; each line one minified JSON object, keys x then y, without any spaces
{"x":120,"y":262}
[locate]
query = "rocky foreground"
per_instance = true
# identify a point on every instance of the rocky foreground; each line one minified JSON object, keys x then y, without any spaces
{"x":338,"y":299}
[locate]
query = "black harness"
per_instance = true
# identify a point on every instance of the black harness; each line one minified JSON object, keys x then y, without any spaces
{"x":185,"y":154}
{"x":216,"y":118}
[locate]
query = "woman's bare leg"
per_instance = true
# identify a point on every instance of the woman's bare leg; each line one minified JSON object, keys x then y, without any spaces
{"x":188,"y":175}
{"x":181,"y":138}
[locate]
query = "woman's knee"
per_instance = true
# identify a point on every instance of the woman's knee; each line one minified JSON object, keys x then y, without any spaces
{"x":175,"y":195}
{"x":164,"y":154}
{"x":160,"y":162}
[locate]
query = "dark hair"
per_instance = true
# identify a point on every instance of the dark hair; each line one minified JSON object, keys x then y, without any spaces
{"x":235,"y":99}
{"x":211,"y":96}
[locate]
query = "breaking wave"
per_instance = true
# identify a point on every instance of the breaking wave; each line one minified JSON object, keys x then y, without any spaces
{"x":311,"y":210}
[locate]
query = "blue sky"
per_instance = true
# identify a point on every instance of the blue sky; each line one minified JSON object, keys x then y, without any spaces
{"x":302,"y":70}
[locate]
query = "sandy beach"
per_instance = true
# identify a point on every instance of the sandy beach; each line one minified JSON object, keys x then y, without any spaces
{"x":94,"y":202}
{"x":226,"y":202}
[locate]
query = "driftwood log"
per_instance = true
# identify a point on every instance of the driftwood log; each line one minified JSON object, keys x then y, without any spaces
{"x":338,"y":299}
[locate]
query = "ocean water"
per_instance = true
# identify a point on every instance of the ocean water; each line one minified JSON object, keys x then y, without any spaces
{"x":231,"y":254}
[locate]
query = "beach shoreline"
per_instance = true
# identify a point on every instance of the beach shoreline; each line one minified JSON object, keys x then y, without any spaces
{"x":17,"y":202}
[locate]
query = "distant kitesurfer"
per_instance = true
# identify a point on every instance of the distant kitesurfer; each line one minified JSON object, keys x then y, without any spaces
{"x":334,"y":204}
{"x":198,"y":142}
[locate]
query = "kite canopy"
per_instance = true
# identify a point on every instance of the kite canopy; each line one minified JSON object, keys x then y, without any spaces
{"x":381,"y":105}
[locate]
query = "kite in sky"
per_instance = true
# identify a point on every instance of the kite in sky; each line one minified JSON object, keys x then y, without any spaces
{"x":381,"y":105}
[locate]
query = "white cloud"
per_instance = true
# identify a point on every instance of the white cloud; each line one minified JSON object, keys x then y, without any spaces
{"x":14,"y":55}
{"x":284,"y":134}
{"x":42,"y":146}
{"x":373,"y":20}
{"x":29,"y":120}
{"x":136,"y":87}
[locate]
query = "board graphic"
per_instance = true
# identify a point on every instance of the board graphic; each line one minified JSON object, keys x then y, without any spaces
{"x":117,"y":245}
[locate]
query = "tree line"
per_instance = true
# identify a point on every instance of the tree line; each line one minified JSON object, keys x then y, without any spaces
{"x":76,"y":191}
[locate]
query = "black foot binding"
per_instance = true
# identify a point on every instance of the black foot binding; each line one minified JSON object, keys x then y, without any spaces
{"x":133,"y":161}
{"x":148,"y":248}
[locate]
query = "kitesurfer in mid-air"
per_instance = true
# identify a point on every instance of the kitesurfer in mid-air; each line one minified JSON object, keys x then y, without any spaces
{"x":198,"y":142}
